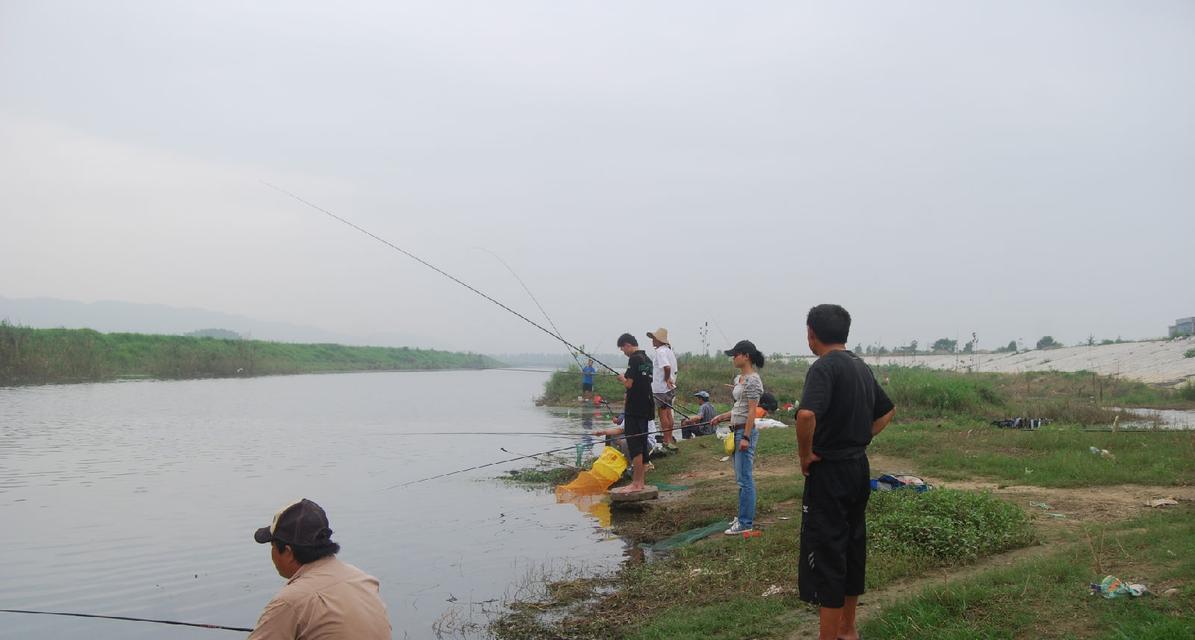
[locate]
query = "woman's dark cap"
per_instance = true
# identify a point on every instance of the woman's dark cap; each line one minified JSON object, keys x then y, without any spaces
{"x":742,"y":346}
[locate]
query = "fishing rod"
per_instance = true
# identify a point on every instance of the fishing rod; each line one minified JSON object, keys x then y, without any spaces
{"x":439,"y":271}
{"x":523,"y":369}
{"x":453,"y":278}
{"x":128,"y":619}
{"x":545,"y":434}
{"x":533,"y":299}
{"x":624,"y":436}
{"x":480,"y":466}
{"x":537,"y":457}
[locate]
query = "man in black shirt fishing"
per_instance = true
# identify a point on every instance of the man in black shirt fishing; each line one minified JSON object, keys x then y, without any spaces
{"x":639,"y":406}
{"x":842,"y":408}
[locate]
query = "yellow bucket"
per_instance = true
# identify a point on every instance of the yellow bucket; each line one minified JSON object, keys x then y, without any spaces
{"x":610,"y":465}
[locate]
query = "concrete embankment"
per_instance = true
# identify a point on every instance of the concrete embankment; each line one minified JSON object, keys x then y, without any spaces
{"x":1154,"y":361}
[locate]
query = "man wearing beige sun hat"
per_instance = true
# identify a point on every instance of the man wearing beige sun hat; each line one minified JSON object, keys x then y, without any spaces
{"x":663,"y":382}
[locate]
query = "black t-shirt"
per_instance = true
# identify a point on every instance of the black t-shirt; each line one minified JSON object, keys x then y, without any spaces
{"x":639,"y":399}
{"x":844,"y":395}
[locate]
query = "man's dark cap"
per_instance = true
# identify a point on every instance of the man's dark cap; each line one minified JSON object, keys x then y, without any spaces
{"x":742,"y":346}
{"x":768,"y":402}
{"x":301,"y":523}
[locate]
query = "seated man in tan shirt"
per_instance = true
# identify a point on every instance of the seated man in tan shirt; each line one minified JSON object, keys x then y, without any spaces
{"x":324,"y":598}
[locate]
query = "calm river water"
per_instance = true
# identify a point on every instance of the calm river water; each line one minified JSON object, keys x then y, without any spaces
{"x":140,"y":498}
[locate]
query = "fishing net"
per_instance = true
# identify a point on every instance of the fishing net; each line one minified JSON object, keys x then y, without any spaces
{"x":686,"y":538}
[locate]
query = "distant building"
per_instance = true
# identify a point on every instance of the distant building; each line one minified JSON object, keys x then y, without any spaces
{"x":1183,"y":327}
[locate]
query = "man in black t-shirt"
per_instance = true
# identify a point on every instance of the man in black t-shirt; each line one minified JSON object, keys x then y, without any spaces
{"x":842,"y":408}
{"x":638,"y":407}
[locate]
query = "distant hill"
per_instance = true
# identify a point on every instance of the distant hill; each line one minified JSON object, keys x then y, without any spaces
{"x":109,"y":316}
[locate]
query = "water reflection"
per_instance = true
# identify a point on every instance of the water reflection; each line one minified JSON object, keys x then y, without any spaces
{"x":139,"y":498}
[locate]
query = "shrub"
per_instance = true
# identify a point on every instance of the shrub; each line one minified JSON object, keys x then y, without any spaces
{"x":945,"y":526}
{"x":1189,"y":353}
{"x":1048,"y":342}
{"x":1187,"y":391}
{"x":939,"y":391}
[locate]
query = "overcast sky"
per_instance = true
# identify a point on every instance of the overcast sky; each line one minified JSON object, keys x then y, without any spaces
{"x":1010,"y":168}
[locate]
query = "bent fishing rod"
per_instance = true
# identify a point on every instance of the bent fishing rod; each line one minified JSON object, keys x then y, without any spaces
{"x":439,"y":271}
{"x":127,"y":619}
{"x":444,"y":273}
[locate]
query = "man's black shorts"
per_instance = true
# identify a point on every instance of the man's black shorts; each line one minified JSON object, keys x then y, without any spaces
{"x":586,"y":386}
{"x":834,"y":531}
{"x":635,"y":429}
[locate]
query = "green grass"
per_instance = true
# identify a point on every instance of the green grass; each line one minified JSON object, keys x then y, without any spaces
{"x":714,"y":588}
{"x":1049,"y":457}
{"x":945,"y":526}
{"x":1187,"y":391}
{"x":34,"y":356}
{"x":1048,"y":597}
{"x":732,"y":619}
{"x":940,"y":392}
{"x":551,"y":476}
{"x":1076,"y":398}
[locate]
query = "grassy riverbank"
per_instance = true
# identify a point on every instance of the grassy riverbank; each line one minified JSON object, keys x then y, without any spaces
{"x":1005,"y":546}
{"x":1080,"y":398}
{"x":39,"y":356}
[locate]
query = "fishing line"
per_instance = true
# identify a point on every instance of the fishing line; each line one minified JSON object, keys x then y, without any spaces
{"x":624,"y":436}
{"x":533,"y":299}
{"x":470,"y":288}
{"x":520,"y":369}
{"x":536,"y":456}
{"x":128,"y":619}
{"x":450,"y":277}
{"x":439,"y":271}
{"x":544,"y":434}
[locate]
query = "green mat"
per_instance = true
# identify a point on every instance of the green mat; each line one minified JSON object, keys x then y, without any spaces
{"x":664,"y":486}
{"x":686,"y":538}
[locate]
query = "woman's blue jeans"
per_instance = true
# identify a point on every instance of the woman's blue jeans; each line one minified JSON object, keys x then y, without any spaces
{"x":743,"y":474}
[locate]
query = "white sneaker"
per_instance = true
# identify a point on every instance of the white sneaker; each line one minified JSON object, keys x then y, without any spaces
{"x":735,"y":522}
{"x":736,"y":528}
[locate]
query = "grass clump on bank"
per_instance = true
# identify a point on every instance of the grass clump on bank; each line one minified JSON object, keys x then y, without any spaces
{"x":944,"y":526}
{"x":37,"y":356}
{"x":940,"y":392}
{"x":547,"y":476}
